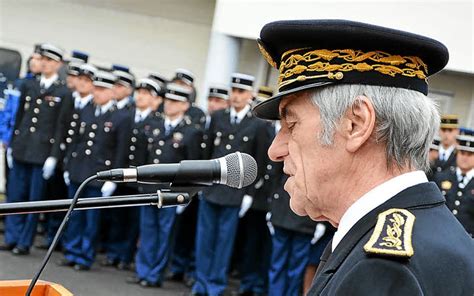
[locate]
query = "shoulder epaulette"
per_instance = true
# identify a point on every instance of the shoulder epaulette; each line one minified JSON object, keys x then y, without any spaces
{"x":392,"y":235}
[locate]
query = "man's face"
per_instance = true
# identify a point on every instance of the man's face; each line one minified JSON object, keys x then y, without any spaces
{"x":448,"y":136}
{"x":174,"y":108}
{"x":239,"y":98}
{"x":313,"y":169}
{"x":102,"y":95}
{"x":156,"y":102}
{"x":465,"y":160}
{"x":71,"y":81}
{"x":433,"y":155}
{"x":36,"y":64}
{"x":50,"y":66}
{"x":143,"y":98}
{"x":121,"y":91}
{"x":215,"y":104}
{"x":84,"y":85}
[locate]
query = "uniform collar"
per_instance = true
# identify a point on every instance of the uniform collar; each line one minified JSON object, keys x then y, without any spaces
{"x":174,"y":122}
{"x":447,"y":151}
{"x":469,"y":175}
{"x":47,"y":82}
{"x":374,"y":198}
{"x":142,"y":114}
{"x":122,"y":103}
{"x":241,"y":114}
{"x":106,"y":107}
{"x":81,"y":102}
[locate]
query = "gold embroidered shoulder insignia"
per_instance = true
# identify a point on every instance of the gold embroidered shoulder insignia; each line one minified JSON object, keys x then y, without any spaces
{"x":392,"y":234}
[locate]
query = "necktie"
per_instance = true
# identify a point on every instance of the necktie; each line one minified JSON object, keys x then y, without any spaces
{"x":169,"y":127}
{"x":138,"y":118}
{"x":235,"y":120}
{"x":443,"y":156}
{"x":97,"y":111}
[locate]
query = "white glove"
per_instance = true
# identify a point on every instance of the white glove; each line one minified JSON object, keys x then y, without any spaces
{"x":180,"y":209}
{"x":268,"y":218}
{"x":245,"y":206}
{"x":108,"y":188}
{"x":67,"y":181}
{"x":318,"y":233}
{"x":49,"y":166}
{"x":9,"y":158}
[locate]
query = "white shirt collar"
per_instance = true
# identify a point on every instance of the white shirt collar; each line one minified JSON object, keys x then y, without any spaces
{"x":47,"y":82}
{"x":447,"y":152}
{"x":81,"y":102}
{"x":106,"y":107}
{"x":141,"y":114}
{"x":240,"y":115}
{"x":374,"y":198}
{"x":469,"y":175}
{"x":174,"y":122}
{"x":122,"y":103}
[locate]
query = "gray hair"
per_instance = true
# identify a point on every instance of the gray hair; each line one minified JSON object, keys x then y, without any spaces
{"x":406,"y":120}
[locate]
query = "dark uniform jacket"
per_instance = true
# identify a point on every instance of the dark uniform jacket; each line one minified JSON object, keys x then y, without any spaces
{"x":459,"y":200}
{"x":181,"y":143}
{"x":197,"y":116}
{"x":440,"y":166}
{"x":249,"y":136}
{"x":140,"y":137}
{"x":100,"y":144}
{"x":41,"y":121}
{"x":442,"y":262}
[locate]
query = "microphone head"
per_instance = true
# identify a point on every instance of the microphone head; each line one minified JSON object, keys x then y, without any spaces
{"x":240,"y":170}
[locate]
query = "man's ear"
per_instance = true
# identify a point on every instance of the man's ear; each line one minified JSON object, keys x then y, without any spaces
{"x":359,"y":123}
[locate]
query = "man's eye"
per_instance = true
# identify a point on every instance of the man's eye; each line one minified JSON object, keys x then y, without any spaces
{"x":291,"y":125}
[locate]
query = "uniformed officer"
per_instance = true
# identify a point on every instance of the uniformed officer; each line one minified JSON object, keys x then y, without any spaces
{"x":185,"y":78}
{"x":37,"y":124}
{"x":157,"y":103}
{"x":77,"y":59}
{"x":173,"y":139}
{"x":233,"y":129}
{"x":123,"y":233}
{"x":263,"y":93}
{"x":449,"y":129}
{"x":101,"y":143}
{"x":123,"y":88}
{"x":217,"y":99}
{"x":355,"y":162}
{"x":458,"y":186}
{"x":433,"y":156}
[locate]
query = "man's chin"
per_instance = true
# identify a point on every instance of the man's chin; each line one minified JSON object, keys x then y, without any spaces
{"x":298,"y":210}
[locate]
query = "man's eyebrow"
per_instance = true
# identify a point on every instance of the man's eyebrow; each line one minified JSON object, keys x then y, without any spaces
{"x":287,"y":112}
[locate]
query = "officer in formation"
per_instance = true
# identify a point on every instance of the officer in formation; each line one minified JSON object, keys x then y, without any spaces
{"x":157,"y":103}
{"x":230,"y":130}
{"x":449,"y":130}
{"x":173,"y":138}
{"x":77,"y":59}
{"x":458,"y":186}
{"x":39,"y":123}
{"x":100,"y":143}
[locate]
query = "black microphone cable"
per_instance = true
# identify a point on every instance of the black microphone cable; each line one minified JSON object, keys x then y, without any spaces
{"x":58,"y":234}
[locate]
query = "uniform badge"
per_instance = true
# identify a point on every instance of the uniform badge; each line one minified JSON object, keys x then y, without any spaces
{"x":392,"y":235}
{"x":156,"y":132}
{"x":446,"y":185}
{"x":177,"y":137}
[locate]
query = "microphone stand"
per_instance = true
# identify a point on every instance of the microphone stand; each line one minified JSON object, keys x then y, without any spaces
{"x":160,"y":199}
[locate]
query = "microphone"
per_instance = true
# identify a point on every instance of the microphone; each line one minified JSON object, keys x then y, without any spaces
{"x":235,"y":170}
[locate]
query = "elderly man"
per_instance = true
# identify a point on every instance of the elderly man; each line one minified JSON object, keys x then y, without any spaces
{"x":356,"y":129}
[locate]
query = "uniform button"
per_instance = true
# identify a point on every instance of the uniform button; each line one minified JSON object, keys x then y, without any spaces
{"x":455,"y":212}
{"x":70,"y":132}
{"x":74,"y":154}
{"x":75,"y":116}
{"x":219,"y":134}
{"x":175,"y":145}
{"x":131,"y":157}
{"x":457,"y":202}
{"x":203,"y":145}
{"x":156,"y":160}
{"x":132,"y":148}
{"x":73,"y":123}
{"x":106,"y":129}
{"x":51,"y":141}
{"x":135,"y":131}
{"x":38,"y":101}
{"x":90,"y":143}
{"x":17,"y":132}
{"x":276,"y":196}
{"x":108,"y":162}
{"x":438,"y":169}
{"x":32,"y":129}
{"x":36,"y":110}
{"x":245,"y":139}
{"x":161,"y":143}
{"x":83,"y":124}
{"x":228,"y":147}
{"x":459,"y":193}
{"x":34,"y":120}
{"x":266,"y":177}
{"x":28,"y":98}
{"x":94,"y":126}
{"x":91,"y":135}
{"x":158,"y":152}
{"x":68,"y":140}
{"x":150,"y":140}
{"x":134,"y":139}
{"x":269,"y":167}
{"x":51,"y":104}
{"x":231,"y":137}
{"x":87,"y":152}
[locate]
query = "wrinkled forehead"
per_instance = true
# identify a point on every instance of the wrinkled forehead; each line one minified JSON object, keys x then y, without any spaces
{"x":290,"y":105}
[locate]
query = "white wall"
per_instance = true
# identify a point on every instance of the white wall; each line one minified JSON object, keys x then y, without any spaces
{"x":449,"y":21}
{"x":140,"y":34}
